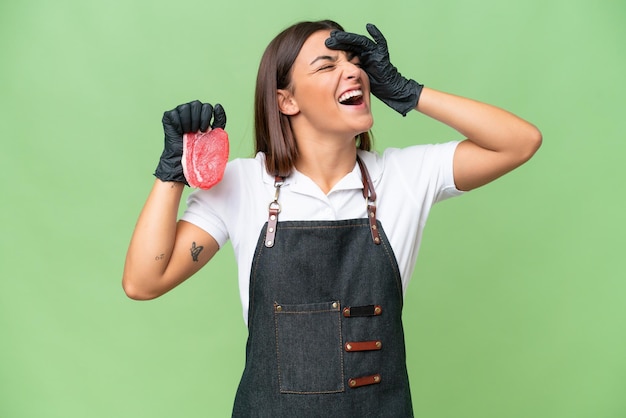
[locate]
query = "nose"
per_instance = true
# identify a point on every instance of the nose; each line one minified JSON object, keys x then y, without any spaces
{"x":351,"y":70}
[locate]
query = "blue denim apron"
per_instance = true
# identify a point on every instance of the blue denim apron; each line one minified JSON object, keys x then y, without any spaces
{"x":325,"y":331}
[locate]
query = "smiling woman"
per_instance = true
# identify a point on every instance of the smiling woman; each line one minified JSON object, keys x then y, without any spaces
{"x":274,"y":137}
{"x":327,"y":103}
{"x":325,"y":231}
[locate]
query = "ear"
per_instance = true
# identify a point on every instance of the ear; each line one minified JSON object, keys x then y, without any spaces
{"x":287,"y":103}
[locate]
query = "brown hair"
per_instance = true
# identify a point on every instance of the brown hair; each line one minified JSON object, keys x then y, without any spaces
{"x":273,"y":134}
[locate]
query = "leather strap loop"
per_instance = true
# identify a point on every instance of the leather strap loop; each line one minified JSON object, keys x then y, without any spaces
{"x":353,"y":346}
{"x":358,"y":311}
{"x":356,"y":382}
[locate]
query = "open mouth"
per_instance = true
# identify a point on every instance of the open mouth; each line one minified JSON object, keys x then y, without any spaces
{"x":351,"y":98}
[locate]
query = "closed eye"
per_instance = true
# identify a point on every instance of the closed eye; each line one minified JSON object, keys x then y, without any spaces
{"x":326,"y":67}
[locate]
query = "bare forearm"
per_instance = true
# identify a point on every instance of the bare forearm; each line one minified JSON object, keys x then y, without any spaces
{"x":497,"y":141}
{"x":485,"y":125}
{"x":154,"y":237}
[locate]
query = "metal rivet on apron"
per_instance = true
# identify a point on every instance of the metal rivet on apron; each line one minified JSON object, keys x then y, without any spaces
{"x":352,"y":383}
{"x":377,"y":240}
{"x":335,"y":305}
{"x":379,"y":344}
{"x":269,"y":243}
{"x":378,"y":310}
{"x":348,"y":347}
{"x":271,"y":229}
{"x":279,"y":308}
{"x":273,"y":217}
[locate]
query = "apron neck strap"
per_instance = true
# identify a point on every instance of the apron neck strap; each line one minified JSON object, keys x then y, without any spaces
{"x":370,"y":199}
{"x":368,"y":188}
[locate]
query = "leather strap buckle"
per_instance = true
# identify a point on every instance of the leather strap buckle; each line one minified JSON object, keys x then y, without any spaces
{"x":274,"y":210}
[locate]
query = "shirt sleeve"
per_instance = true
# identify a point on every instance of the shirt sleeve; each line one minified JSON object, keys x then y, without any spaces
{"x":234,"y":207}
{"x":201,"y":214}
{"x":426,"y":170}
{"x":210,"y":209}
{"x":447,"y":186}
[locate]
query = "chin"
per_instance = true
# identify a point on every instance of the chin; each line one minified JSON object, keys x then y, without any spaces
{"x":367,"y":124}
{"x":361,"y":123}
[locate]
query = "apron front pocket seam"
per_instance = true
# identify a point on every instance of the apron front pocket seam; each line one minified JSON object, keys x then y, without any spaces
{"x":309,"y":348}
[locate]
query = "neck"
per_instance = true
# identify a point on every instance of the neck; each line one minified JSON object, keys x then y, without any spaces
{"x":326,"y":162}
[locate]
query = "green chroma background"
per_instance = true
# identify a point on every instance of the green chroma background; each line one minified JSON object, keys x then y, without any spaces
{"x":517,"y":307}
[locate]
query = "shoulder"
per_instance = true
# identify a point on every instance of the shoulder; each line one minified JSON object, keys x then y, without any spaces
{"x":231,"y":207}
{"x":241,"y":176}
{"x":417,"y":170}
{"x":247,"y":166}
{"x":414,"y":158}
{"x":242,"y":171}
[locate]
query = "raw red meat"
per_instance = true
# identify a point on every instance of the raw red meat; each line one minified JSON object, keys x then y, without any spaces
{"x":205,"y":155}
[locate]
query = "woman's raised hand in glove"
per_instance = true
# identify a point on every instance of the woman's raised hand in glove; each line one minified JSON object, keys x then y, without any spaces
{"x":398,"y":92}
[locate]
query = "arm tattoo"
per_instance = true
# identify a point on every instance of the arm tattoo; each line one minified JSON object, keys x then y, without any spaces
{"x":195,"y":251}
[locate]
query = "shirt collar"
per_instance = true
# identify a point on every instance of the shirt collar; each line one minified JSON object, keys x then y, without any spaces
{"x":301,"y":183}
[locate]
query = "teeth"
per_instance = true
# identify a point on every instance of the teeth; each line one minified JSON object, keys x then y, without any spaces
{"x":349,"y":95}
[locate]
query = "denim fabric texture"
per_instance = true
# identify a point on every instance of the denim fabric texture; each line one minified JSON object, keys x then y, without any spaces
{"x":296,"y":362}
{"x":309,"y":334}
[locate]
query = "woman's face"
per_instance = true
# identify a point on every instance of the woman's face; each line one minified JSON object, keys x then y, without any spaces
{"x":329,"y":92}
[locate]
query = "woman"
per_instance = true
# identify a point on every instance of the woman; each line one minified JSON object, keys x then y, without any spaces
{"x":325,"y":232}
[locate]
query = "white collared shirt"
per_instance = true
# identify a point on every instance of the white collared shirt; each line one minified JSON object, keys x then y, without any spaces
{"x":407,"y":181}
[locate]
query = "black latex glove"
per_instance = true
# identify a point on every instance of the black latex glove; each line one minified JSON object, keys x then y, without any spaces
{"x":186,"y":118}
{"x":396,"y":91}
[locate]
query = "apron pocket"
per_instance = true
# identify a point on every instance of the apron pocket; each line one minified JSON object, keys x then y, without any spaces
{"x":309,"y":348}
